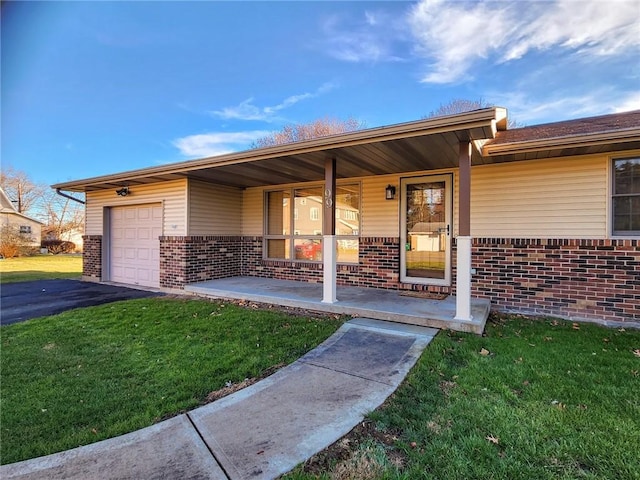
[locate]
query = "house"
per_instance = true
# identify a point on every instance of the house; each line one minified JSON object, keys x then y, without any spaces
{"x":542,"y":219}
{"x":74,"y":235}
{"x":26,"y":227}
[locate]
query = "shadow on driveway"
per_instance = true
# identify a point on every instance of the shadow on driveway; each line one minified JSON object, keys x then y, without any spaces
{"x":24,"y":300}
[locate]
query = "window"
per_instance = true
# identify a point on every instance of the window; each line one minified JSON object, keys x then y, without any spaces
{"x":626,"y":196}
{"x":25,"y":229}
{"x":305,"y":221}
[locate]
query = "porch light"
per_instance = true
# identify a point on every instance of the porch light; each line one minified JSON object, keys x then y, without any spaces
{"x":123,"y":192}
{"x":390,"y":192}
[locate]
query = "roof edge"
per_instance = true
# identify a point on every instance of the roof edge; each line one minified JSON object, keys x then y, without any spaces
{"x":616,"y":136}
{"x":493,"y":118}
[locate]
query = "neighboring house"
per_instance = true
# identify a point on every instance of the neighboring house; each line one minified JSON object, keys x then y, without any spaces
{"x":75,"y":235}
{"x":28,"y":228}
{"x":542,"y":219}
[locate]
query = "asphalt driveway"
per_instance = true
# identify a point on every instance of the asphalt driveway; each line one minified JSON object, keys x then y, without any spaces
{"x":24,"y":300}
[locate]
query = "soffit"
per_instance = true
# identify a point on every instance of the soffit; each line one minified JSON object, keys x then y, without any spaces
{"x":423,"y":145}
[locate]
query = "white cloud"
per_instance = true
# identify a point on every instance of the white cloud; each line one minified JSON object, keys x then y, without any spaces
{"x":631,"y":102}
{"x":217,"y":143}
{"x":455,"y":35}
{"x":368,"y":39}
{"x":246,"y":110}
{"x":563,"y":104}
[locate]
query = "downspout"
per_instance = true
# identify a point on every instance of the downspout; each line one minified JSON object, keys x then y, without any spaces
{"x":62,"y":194}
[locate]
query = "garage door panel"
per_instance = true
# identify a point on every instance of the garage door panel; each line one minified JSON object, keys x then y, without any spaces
{"x":135,"y":244}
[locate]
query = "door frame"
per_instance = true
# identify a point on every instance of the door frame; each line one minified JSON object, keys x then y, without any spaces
{"x":448,"y":181}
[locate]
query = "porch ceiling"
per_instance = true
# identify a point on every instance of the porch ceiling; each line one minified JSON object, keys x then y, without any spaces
{"x":379,"y":158}
{"x":423,"y":145}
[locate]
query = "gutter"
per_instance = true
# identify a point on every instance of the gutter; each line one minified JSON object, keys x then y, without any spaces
{"x":70,"y":197}
{"x":569,"y":141}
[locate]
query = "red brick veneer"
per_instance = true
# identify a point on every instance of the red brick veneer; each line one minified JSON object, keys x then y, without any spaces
{"x":570,"y":278}
{"x":378,"y":266}
{"x":92,"y":257}
{"x":578,"y":279}
{"x":185,"y":260}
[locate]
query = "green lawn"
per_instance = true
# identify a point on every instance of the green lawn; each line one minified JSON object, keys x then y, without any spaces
{"x":94,"y":373}
{"x":531,"y":399}
{"x":40,"y":267}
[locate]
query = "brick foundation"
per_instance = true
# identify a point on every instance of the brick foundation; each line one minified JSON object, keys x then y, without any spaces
{"x":575,"y":279}
{"x":92,"y":258}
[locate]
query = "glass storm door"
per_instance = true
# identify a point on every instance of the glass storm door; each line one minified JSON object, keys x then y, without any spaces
{"x":426,"y":217}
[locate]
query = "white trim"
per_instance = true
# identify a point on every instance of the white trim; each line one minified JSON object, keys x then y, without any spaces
{"x":329,"y":274}
{"x":463,"y":280}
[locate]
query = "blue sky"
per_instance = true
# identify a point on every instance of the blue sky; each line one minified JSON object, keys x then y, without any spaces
{"x":91,"y":88}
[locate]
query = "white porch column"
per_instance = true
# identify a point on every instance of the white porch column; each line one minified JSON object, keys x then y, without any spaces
{"x":329,"y":279}
{"x":329,"y":247}
{"x":463,"y":279}
{"x":463,"y":267}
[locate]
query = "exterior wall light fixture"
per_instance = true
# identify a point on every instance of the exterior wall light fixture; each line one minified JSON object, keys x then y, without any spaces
{"x":390,"y":192}
{"x":123,"y":192}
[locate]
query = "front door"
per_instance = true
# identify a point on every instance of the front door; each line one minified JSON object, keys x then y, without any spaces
{"x":426,"y":217}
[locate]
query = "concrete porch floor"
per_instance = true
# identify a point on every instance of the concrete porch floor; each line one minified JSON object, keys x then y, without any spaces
{"x":362,"y":302}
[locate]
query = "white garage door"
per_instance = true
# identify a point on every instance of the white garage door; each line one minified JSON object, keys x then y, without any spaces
{"x":135,"y":247}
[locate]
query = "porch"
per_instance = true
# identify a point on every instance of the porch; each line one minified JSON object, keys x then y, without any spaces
{"x":390,"y":305}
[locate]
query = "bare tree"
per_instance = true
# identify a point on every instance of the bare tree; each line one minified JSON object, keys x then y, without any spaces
{"x":321,"y":127}
{"x":63,"y":216}
{"x":462,"y":105}
{"x":458,"y":105}
{"x":24,"y":194}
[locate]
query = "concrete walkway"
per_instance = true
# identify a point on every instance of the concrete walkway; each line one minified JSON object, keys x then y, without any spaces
{"x":264,"y":430}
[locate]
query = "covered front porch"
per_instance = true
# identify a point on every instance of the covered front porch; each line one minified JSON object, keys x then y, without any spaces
{"x":390,"y":305}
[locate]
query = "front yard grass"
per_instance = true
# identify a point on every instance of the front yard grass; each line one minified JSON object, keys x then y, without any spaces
{"x":543,"y":399}
{"x":98,"y":372}
{"x":40,"y":267}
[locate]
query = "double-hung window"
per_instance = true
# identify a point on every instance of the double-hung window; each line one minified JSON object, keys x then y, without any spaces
{"x":626,"y":196}
{"x":293,"y":223}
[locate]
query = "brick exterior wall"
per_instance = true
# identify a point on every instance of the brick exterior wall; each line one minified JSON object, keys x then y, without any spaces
{"x":576,"y":279}
{"x":185,"y":260}
{"x":378,"y":266}
{"x":92,"y":257}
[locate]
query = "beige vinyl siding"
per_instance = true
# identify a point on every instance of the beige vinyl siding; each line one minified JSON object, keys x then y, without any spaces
{"x":252,"y":214}
{"x":214,"y":209}
{"x":379,"y":217}
{"x":559,"y":198}
{"x":173,"y":196}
